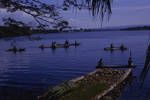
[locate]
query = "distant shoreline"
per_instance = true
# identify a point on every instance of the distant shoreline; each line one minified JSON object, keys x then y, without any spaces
{"x":6,"y":32}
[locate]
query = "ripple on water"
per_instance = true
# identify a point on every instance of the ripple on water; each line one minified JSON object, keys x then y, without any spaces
{"x":25,"y":75}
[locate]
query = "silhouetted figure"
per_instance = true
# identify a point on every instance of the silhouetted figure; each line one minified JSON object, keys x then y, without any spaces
{"x":42,"y":46}
{"x":100,"y":62}
{"x":66,"y":42}
{"x":122,"y":46}
{"x":75,"y":43}
{"x":111,"y":45}
{"x":53,"y":44}
{"x":130,"y":62}
{"x":14,"y":49}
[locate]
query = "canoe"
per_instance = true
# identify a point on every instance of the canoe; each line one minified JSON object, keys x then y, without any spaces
{"x":59,"y":46}
{"x":71,"y":44}
{"x":43,"y":46}
{"x":116,"y":66}
{"x":115,"y":48}
{"x":16,"y":50}
{"x":75,"y":44}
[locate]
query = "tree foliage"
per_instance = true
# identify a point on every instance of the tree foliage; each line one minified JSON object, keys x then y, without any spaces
{"x":46,"y":14}
{"x":97,"y":7}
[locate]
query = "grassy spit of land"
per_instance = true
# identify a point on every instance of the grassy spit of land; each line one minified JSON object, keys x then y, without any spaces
{"x":87,"y":87}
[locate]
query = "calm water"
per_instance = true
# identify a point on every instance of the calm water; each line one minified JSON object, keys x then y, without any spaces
{"x":25,"y":75}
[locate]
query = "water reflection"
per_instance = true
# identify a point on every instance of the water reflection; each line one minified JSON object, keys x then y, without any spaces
{"x":27,"y":74}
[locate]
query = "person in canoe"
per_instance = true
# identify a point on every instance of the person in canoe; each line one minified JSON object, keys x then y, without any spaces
{"x":130,"y":62}
{"x":111,"y":45}
{"x":66,"y":44}
{"x":122,"y":47}
{"x":100,"y":63}
{"x":76,"y":43}
{"x":14,"y":49}
{"x":53,"y":45}
{"x":42,"y":46}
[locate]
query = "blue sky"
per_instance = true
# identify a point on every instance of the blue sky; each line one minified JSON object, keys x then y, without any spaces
{"x":124,"y":13}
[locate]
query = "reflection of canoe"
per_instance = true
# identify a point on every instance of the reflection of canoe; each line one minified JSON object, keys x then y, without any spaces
{"x":16,"y":50}
{"x":116,"y":66}
{"x":115,"y":48}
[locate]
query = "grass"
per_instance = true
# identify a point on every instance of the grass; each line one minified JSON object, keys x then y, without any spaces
{"x":84,"y":93}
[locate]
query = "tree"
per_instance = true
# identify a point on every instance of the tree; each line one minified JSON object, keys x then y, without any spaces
{"x":97,"y":7}
{"x":45,"y":14}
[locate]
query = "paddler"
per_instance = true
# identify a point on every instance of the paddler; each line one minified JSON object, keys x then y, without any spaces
{"x":111,"y":45}
{"x":100,"y":63}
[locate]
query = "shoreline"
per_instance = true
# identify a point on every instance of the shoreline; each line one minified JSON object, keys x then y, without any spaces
{"x":113,"y":78}
{"x":59,"y":32}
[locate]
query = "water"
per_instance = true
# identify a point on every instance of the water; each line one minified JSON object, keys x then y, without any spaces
{"x":24,"y":76}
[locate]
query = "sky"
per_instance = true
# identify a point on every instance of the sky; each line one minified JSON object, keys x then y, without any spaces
{"x":124,"y":13}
